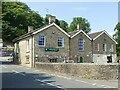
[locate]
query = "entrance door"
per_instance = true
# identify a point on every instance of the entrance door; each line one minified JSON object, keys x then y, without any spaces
{"x":109,"y":59}
{"x":81,"y":59}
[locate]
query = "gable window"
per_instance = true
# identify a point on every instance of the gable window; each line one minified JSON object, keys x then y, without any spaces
{"x":60,"y":42}
{"x":81,"y":44}
{"x":104,"y":47}
{"x":41,"y":40}
{"x":96,"y":46}
{"x":111,"y":47}
{"x":27,"y":45}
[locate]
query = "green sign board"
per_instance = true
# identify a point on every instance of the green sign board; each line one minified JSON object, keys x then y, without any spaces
{"x":51,"y":49}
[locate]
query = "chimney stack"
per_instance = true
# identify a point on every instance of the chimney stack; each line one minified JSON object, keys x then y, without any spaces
{"x":78,"y":26}
{"x":51,"y":19}
{"x":30,"y":29}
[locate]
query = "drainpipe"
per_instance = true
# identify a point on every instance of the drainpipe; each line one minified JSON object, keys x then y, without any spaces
{"x":32,"y":52}
{"x":92,"y":48}
{"x":69,"y":48}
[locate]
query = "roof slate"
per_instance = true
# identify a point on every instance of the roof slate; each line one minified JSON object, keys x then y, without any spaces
{"x":27,"y":34}
{"x":93,"y":35}
{"x":73,"y":32}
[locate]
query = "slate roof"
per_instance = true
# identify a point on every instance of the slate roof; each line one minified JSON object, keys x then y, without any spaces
{"x":73,"y":32}
{"x":38,"y":30}
{"x":70,"y":34}
{"x":98,"y":34}
{"x":93,"y":35}
{"x":27,"y":34}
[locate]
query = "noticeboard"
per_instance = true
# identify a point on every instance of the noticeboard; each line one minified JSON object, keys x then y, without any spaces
{"x":51,"y":49}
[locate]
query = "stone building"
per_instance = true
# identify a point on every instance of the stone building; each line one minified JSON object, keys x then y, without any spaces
{"x":103,"y":47}
{"x":52,"y":44}
{"x":80,"y":46}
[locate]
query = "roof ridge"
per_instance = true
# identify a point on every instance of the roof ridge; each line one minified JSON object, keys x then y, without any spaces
{"x":96,"y":32}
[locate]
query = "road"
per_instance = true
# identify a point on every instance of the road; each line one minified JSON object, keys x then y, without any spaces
{"x":16,"y":76}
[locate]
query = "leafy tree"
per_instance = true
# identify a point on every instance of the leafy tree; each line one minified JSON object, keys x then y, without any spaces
{"x":84,"y":24}
{"x":16,"y":17}
{"x":117,"y":37}
{"x":64,"y":25}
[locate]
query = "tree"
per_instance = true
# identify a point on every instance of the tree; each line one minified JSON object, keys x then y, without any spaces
{"x":84,"y":24}
{"x":64,"y":25}
{"x":16,"y":17}
{"x":117,"y":38}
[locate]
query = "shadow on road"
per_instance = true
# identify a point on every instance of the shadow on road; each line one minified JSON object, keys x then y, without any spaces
{"x":12,"y":79}
{"x":28,"y":80}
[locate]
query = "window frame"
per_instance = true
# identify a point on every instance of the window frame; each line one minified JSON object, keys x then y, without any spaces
{"x":80,"y":45}
{"x":111,"y":47}
{"x":104,"y":47}
{"x":60,"y":41}
{"x":43,"y":44}
{"x":96,"y":46}
{"x":27,"y":45}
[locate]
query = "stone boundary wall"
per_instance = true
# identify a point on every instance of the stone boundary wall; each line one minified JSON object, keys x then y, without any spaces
{"x":84,"y":70}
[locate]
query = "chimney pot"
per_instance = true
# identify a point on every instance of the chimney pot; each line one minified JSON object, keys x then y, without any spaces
{"x":78,"y":26}
{"x":30,"y":29}
{"x":51,"y":19}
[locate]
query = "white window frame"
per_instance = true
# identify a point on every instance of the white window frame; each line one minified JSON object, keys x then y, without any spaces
{"x":111,"y":47}
{"x":79,"y":44}
{"x":105,"y":47}
{"x":27,"y":45}
{"x":62,"y":40}
{"x":39,"y":40}
{"x":98,"y":47}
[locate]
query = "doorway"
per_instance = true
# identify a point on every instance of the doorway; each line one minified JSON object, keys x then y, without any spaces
{"x":81,"y":59}
{"x":109,"y":59}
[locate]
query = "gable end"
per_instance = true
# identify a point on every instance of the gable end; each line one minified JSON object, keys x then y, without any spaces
{"x":80,"y":32}
{"x":106,"y":34}
{"x":53,"y":24}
